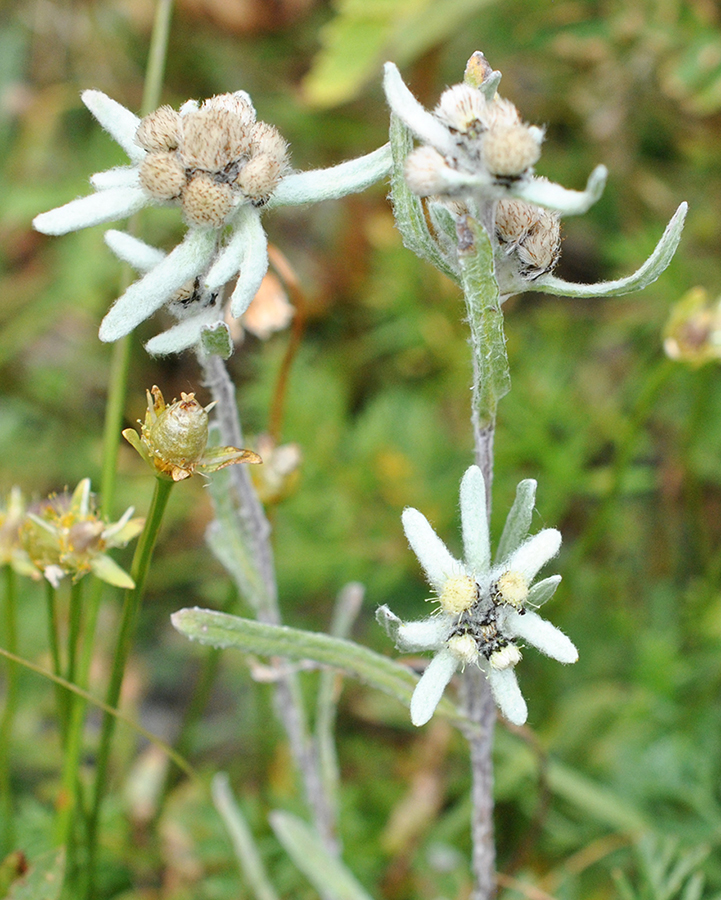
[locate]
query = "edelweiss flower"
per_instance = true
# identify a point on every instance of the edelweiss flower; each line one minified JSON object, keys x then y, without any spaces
{"x":221,"y":167}
{"x":482,"y":606}
{"x":476,"y":158}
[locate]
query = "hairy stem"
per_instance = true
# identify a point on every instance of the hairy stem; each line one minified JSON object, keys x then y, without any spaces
{"x":256,"y":531}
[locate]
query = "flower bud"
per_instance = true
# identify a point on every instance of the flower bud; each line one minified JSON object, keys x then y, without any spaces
{"x":259,"y":177}
{"x":505,"y":657}
{"x":509,"y":150}
{"x":174,"y":439}
{"x":159,"y":130}
{"x":463,"y":109}
{"x":693,"y":331}
{"x":464,"y":648}
{"x":162,"y":175}
{"x":425,"y":172}
{"x":206,"y":203}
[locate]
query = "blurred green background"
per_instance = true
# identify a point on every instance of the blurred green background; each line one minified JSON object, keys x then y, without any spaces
{"x":625,"y":444}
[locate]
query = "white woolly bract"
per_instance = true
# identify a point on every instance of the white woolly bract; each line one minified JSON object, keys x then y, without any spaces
{"x":534,"y":553}
{"x":432,"y":553}
{"x":429,"y":689}
{"x":96,"y":209}
{"x":540,"y":633}
{"x":474,"y":521}
{"x":141,"y":256}
{"x":188,"y":260}
{"x":507,"y":694}
{"x":118,"y":121}
{"x":425,"y":634}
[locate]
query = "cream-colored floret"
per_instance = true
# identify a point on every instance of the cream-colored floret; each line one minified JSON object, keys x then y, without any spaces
{"x":506,"y":657}
{"x":511,"y":588}
{"x":463,"y":109}
{"x":464,"y":648}
{"x":459,"y":594}
{"x":509,"y":150}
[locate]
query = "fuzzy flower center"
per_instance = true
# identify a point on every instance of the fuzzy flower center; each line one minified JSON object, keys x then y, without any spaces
{"x":511,"y":588}
{"x":459,"y":594}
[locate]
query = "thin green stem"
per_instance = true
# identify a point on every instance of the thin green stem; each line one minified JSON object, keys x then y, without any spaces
{"x":157,"y":55}
{"x":51,"y":602}
{"x":8,"y":717}
{"x":129,"y":615}
{"x":76,"y":608}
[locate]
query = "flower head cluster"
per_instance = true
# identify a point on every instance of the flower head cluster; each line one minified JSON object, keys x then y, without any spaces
{"x":222,"y":167}
{"x":210,"y":158}
{"x":484,"y":608}
{"x":64,"y":535}
{"x":476,"y":157}
{"x":173,"y":439}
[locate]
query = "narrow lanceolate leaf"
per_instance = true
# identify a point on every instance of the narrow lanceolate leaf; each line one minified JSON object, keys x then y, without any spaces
{"x":647,"y":274}
{"x":408,"y":207}
{"x":492,"y":379}
{"x":518,"y":520}
{"x":542,"y":591}
{"x":328,"y":875}
{"x":246,"y":850}
{"x":225,"y":631}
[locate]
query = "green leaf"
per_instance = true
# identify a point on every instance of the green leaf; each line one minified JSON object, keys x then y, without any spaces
{"x":330,"y":877}
{"x":491,"y":377}
{"x":408,"y":208}
{"x":43,"y":880}
{"x":222,"y":630}
{"x":518,"y":520}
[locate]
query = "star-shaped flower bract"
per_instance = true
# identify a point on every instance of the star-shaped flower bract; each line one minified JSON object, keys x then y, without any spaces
{"x":222,"y":167}
{"x":484,"y":607}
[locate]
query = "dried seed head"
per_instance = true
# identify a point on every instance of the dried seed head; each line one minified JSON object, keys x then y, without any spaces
{"x":212,"y":138}
{"x":505,"y":657}
{"x":179,"y":435}
{"x":508,"y":150}
{"x":239,"y":104}
{"x":424,"y":172}
{"x":540,"y":249}
{"x":206,"y":203}
{"x":514,"y":218}
{"x":162,"y":175}
{"x":159,"y":130}
{"x":459,"y":594}
{"x":266,"y":139}
{"x":463,"y":647}
{"x":511,"y":588}
{"x":259,"y":177}
{"x":463,"y":109}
